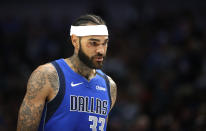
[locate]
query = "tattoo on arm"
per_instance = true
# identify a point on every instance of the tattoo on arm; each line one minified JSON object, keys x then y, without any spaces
{"x":113,"y":91}
{"x":35,"y":84}
{"x":29,"y":116}
{"x":54,"y":81}
{"x":32,"y":106}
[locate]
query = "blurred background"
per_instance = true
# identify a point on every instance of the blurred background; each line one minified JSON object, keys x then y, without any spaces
{"x":156,"y":56}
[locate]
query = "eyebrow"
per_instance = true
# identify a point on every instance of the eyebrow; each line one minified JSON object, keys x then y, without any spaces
{"x":97,"y":40}
{"x":92,"y":39}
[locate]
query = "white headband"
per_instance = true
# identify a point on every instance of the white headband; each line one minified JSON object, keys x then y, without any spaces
{"x":89,"y":30}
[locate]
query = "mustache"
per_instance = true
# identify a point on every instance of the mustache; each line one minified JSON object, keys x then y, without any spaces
{"x":100,"y":55}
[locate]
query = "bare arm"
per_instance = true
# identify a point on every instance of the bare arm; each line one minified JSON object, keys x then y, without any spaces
{"x":113,"y":91}
{"x":42,"y":83}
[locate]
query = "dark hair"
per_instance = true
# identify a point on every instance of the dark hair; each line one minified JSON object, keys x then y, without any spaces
{"x":89,"y":18}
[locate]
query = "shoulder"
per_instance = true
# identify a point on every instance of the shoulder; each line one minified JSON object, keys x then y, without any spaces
{"x":46,"y":68}
{"x":44,"y":79}
{"x":44,"y":73}
{"x":112,"y":83}
{"x":113,"y":86}
{"x":49,"y":71}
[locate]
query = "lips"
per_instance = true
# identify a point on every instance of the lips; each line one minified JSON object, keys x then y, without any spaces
{"x":99,"y":58}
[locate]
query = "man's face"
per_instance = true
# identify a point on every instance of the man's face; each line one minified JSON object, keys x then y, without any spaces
{"x":93,"y":50}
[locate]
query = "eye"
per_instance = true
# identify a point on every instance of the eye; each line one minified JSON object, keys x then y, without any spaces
{"x":93,"y":43}
{"x":105,"y":43}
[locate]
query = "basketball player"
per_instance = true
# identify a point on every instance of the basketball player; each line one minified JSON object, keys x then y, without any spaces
{"x":72,"y":94}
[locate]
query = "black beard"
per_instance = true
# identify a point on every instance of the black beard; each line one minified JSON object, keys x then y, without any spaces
{"x":89,"y":61}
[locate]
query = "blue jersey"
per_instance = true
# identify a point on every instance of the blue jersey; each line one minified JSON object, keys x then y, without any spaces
{"x":80,"y":105}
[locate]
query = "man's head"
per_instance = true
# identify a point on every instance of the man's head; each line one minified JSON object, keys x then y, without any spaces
{"x":90,"y":37}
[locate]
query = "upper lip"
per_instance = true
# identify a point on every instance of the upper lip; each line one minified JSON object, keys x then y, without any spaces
{"x":99,"y":57}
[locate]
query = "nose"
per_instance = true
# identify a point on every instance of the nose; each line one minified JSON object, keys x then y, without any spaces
{"x":100,"y":49}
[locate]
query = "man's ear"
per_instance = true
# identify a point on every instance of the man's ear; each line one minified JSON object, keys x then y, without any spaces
{"x":75,"y":42}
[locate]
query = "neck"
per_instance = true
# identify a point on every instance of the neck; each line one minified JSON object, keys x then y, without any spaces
{"x":79,"y":67}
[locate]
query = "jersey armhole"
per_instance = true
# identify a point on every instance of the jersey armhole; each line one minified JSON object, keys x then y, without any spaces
{"x":53,"y":105}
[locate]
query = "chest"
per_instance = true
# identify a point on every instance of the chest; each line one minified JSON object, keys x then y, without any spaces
{"x":90,"y":97}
